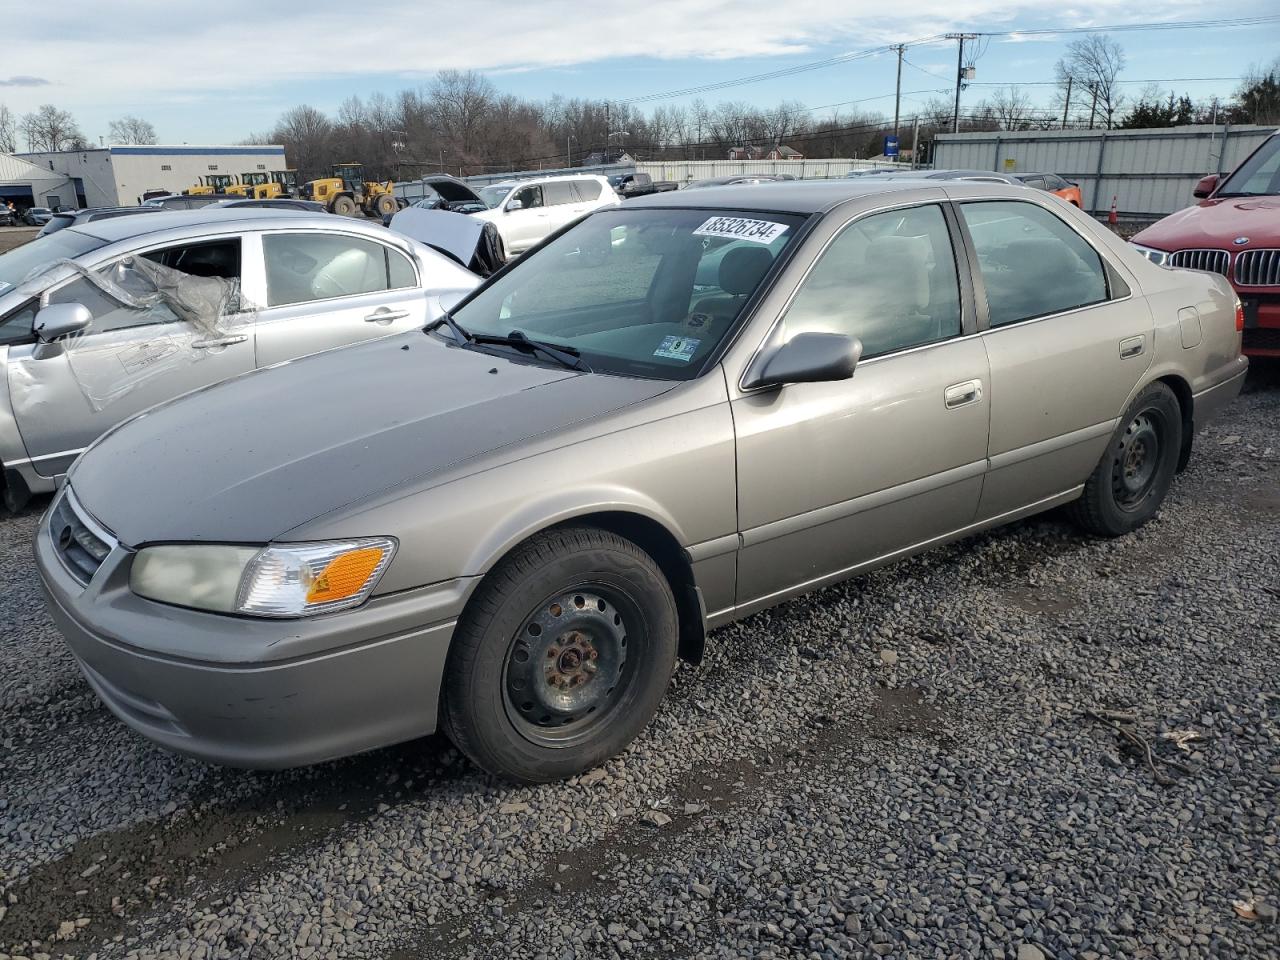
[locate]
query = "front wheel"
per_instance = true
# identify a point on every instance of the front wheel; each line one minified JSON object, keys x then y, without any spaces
{"x":343,"y":206}
{"x":562,"y":656}
{"x":1135,"y":474}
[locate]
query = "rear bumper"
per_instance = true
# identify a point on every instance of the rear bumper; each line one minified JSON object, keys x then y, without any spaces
{"x":371,"y":678}
{"x":1208,"y":403}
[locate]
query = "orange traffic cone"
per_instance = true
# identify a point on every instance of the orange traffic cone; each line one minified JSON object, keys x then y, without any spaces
{"x":1112,"y":217}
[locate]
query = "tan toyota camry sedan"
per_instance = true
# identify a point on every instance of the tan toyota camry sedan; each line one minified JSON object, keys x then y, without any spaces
{"x":669,"y":415}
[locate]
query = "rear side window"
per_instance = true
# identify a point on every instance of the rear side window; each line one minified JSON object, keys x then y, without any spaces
{"x":1032,"y":263}
{"x":303,"y":267}
{"x":889,"y":279}
{"x":590,"y":189}
{"x":554,"y":194}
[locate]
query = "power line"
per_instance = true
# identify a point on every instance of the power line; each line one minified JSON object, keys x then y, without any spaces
{"x":937,"y":38}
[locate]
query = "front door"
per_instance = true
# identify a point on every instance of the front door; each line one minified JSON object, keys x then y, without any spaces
{"x":832,"y":476}
{"x":132,"y":356}
{"x":523,"y":228}
{"x":1067,"y":344}
{"x":326,"y":290}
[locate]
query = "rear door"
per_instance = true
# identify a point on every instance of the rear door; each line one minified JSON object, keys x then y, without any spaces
{"x":1067,"y":342}
{"x":324,"y":290}
{"x":130,"y":358}
{"x":563,"y":203}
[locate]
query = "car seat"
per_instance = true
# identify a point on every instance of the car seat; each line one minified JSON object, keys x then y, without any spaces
{"x":741,"y":270}
{"x":351,"y":271}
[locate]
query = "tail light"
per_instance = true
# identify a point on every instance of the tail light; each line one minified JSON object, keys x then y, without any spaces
{"x":1239,"y":317}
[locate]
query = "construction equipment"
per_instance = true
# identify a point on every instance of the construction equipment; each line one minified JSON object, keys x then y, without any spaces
{"x":285,"y":183}
{"x":213,"y":183}
{"x":347,"y":191}
{"x":249,"y":185}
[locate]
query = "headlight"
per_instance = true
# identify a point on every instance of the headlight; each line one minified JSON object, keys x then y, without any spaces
{"x":1159,"y":257}
{"x":275,"y":581}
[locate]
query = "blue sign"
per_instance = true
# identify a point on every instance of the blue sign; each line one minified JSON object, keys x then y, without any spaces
{"x":890,"y":146}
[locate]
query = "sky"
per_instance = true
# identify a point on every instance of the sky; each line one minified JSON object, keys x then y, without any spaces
{"x":215,"y":79}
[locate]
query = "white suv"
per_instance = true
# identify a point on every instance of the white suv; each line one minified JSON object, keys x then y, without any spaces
{"x":526,"y":211}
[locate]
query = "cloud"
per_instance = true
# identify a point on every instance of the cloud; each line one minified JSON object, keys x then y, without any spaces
{"x":142,"y":53}
{"x":22,"y":81}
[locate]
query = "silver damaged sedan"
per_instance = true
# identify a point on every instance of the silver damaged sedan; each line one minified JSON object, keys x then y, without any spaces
{"x":671,"y":414}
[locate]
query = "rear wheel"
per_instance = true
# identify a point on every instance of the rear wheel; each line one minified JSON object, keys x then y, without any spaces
{"x":343,"y":206}
{"x":1135,"y":474}
{"x":562,"y":657}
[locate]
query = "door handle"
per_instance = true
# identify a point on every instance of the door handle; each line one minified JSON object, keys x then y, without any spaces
{"x":219,"y":342}
{"x":383,"y":315}
{"x":962,"y":394}
{"x":1132,"y":347}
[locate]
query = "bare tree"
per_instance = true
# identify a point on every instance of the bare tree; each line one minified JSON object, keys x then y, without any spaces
{"x":1258,"y":95}
{"x":49,"y":129}
{"x":306,"y":134}
{"x":1092,"y":67}
{"x":132,"y":130}
{"x":461,"y":100}
{"x":8,"y":130}
{"x":1009,"y":107}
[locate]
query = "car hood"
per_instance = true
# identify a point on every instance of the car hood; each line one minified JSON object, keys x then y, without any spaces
{"x":1217,"y":224}
{"x":251,"y":458}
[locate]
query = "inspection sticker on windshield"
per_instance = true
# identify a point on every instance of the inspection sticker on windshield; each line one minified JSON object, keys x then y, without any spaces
{"x":677,"y":348}
{"x":740,"y":228}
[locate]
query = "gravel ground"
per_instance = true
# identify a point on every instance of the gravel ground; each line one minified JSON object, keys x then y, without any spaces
{"x":898,"y":766}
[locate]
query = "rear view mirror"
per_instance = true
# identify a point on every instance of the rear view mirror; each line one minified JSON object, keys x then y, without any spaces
{"x":807,"y":358}
{"x":1205,"y":186}
{"x":515,"y":205}
{"x":60,"y":319}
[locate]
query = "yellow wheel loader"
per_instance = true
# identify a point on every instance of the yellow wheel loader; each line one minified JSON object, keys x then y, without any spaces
{"x":346,"y":192}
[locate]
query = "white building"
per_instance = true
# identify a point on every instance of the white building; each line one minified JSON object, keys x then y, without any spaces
{"x":121,"y":175}
{"x":26,"y":185}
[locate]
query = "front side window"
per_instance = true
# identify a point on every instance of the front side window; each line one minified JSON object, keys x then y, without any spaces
{"x":639,"y":292}
{"x":16,"y":327}
{"x":1032,"y":263}
{"x":529,"y":197}
{"x":109,"y":313}
{"x":888,"y":279}
{"x":303,"y":267}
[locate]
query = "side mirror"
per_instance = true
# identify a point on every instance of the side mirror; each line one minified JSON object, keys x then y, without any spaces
{"x":515,"y":205}
{"x":807,"y":358}
{"x":60,"y":319}
{"x":1205,"y":186}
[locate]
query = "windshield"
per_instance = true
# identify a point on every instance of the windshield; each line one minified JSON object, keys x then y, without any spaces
{"x":40,"y":210}
{"x":493,"y":196}
{"x":1258,"y":176}
{"x":647,"y":293}
{"x":42,"y":251}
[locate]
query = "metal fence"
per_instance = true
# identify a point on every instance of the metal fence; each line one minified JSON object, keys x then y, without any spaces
{"x":1150,"y":173}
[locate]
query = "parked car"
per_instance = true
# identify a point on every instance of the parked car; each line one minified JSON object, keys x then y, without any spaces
{"x":37,"y":216}
{"x":513,"y":522}
{"x":1233,"y":231}
{"x":182,"y":201}
{"x":272,"y":203}
{"x":441,"y":192}
{"x":1048,"y":182}
{"x":628,"y":185}
{"x":527,"y":211}
{"x":738,"y":180}
{"x":8,"y":216}
{"x":82,"y":351}
{"x":1052,"y":183}
{"x":70,"y":218}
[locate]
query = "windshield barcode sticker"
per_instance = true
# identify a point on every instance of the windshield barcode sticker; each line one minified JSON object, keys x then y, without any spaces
{"x":740,"y":228}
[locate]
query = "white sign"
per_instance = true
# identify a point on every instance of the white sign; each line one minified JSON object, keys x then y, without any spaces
{"x":740,"y":228}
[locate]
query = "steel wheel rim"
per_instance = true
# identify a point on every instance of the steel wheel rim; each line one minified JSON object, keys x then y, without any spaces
{"x":571,"y":664}
{"x":1135,"y":465}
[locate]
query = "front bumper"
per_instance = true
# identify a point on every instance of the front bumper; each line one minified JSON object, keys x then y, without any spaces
{"x":254,"y":693}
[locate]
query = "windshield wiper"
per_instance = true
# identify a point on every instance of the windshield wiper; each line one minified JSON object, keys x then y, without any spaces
{"x":458,"y":333}
{"x":565,"y":356}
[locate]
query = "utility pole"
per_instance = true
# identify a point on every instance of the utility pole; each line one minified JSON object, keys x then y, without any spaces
{"x":1093,"y":107}
{"x":1066,"y":106}
{"x":915,"y":141}
{"x":960,"y":77}
{"x":897,"y":93}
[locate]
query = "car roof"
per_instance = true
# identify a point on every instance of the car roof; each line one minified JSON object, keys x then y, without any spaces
{"x":524,"y":181}
{"x":124,"y":228}
{"x":783,"y":196}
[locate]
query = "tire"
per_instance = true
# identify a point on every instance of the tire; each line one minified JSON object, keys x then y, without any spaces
{"x":562,"y":656}
{"x":385,"y":205}
{"x":1134,"y":476}
{"x":343,"y":206}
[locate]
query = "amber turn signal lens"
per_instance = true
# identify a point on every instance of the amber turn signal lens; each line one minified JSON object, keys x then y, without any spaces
{"x":344,"y":576}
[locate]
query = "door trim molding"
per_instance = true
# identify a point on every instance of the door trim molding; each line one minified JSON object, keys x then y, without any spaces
{"x":868,"y":501}
{"x":1044,"y":447}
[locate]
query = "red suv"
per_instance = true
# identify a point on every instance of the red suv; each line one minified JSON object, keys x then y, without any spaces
{"x":1234,"y":230}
